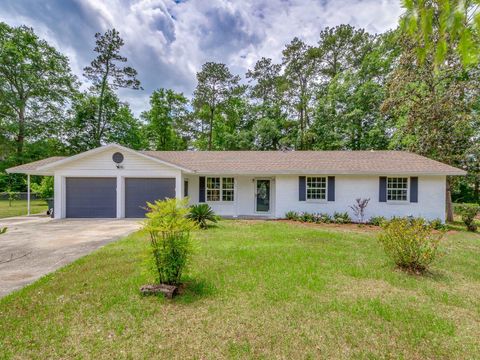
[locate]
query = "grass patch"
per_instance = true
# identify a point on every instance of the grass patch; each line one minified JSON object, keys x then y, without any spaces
{"x":19,"y":207}
{"x":255,"y":290}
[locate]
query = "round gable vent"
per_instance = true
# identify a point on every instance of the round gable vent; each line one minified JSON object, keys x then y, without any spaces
{"x":117,"y":158}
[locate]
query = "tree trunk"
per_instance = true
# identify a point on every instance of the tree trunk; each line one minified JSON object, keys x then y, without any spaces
{"x":476,"y":189}
{"x":210,"y":132}
{"x":21,"y":131}
{"x":449,"y":208}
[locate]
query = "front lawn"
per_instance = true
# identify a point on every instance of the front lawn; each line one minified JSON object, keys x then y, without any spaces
{"x":19,"y":207}
{"x":255,"y":290}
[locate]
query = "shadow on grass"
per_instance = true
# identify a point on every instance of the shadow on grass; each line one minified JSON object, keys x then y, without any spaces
{"x":194,"y":289}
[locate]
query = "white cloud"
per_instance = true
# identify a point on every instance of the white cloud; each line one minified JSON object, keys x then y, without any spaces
{"x":167,"y":41}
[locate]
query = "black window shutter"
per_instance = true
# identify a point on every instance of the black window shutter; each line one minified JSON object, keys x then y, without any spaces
{"x":331,"y":188}
{"x":414,"y":189}
{"x":302,"y":188}
{"x":201,"y":189}
{"x":382,"y":196}
{"x":185,"y":188}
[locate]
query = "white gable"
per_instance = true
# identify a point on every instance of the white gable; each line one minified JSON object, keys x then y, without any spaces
{"x":102,"y":160}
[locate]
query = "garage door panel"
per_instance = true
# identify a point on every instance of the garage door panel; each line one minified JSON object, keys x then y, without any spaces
{"x":139,"y":191}
{"x":91,"y":197}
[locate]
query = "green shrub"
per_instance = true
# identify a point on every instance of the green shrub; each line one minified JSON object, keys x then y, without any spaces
{"x":3,"y":230}
{"x":377,"y":220}
{"x":45,"y":189}
{"x":292,"y":215}
{"x":324,"y":218}
{"x":202,"y":214}
{"x":411,"y":243}
{"x":437,"y":224}
{"x":341,"y":218}
{"x":468,"y":212}
{"x":169,"y":229}
{"x":307,"y":217}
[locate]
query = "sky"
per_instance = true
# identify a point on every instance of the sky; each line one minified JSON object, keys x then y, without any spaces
{"x":167,"y":41}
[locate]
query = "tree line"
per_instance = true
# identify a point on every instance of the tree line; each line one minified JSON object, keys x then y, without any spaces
{"x":351,"y":90}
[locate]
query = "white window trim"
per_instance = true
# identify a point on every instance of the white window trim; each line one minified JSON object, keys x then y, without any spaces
{"x":221,"y":201}
{"x":398,"y":202}
{"x":321,"y":201}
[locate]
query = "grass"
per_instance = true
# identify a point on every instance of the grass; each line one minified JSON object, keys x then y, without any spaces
{"x":19,"y":207}
{"x":255,"y":290}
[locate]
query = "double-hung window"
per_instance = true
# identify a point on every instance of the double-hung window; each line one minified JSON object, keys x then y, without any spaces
{"x":220,"y":189}
{"x":316,"y":188}
{"x":397,"y":189}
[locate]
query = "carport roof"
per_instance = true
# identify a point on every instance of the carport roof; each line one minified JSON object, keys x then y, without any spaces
{"x":33,"y":168}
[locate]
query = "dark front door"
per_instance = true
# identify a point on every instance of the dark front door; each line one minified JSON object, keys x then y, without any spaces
{"x":140,"y":190}
{"x":91,"y":197}
{"x":262,"y":200}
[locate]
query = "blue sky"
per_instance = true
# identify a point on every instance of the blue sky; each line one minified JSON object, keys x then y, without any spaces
{"x":167,"y":41}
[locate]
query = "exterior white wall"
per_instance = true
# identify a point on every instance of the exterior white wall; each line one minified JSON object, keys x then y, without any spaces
{"x":102,"y":165}
{"x":244,"y":203}
{"x":430,"y":205}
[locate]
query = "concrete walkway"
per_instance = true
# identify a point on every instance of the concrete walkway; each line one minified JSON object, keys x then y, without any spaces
{"x":35,"y":246}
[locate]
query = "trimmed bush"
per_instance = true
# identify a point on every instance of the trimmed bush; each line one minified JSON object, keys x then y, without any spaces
{"x":307,"y":217}
{"x":377,"y":220}
{"x":324,"y":218}
{"x":202,"y":214}
{"x":411,"y":243}
{"x":468,"y":212}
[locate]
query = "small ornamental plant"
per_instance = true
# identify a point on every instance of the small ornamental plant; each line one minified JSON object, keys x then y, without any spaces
{"x":202,"y":214}
{"x":169,"y":230}
{"x":413,"y":244}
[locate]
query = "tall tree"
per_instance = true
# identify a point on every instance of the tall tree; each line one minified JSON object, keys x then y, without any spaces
{"x":431,"y":108}
{"x":35,"y":83}
{"x":106,"y":75}
{"x":301,"y":73}
{"x":354,"y":69}
{"x":118,"y":123}
{"x":266,"y":91}
{"x":166,"y":123}
{"x":215,"y":85}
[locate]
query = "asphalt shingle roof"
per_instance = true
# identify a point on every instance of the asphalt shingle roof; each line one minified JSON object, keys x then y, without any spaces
{"x":288,"y":162}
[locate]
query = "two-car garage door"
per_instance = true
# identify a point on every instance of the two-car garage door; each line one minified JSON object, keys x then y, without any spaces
{"x":97,"y":197}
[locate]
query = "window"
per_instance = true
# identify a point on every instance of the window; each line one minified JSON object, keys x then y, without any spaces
{"x":397,"y":189}
{"x":220,"y":189}
{"x":316,"y":188}
{"x":185,"y":188}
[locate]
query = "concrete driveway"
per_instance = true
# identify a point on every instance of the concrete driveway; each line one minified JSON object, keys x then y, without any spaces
{"x":35,"y":246}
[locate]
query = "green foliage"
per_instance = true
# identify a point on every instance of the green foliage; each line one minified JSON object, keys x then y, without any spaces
{"x":437,"y":224}
{"x":377,"y":220}
{"x":442,"y":26}
{"x":45,"y":189}
{"x":468,"y":213}
{"x":292,"y":215}
{"x":169,"y":229}
{"x":166,"y":121}
{"x":3,"y":230}
{"x":307,"y":217}
{"x":341,"y":218}
{"x":202,"y":214}
{"x":411,"y":243}
{"x":35,"y":84}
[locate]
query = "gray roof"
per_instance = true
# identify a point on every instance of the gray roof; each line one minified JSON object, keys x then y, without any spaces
{"x":287,"y":162}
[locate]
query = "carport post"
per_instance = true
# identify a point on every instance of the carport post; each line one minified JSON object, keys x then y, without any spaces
{"x":28,"y":194}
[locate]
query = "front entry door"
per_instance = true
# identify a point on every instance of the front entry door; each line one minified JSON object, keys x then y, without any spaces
{"x":262,"y":195}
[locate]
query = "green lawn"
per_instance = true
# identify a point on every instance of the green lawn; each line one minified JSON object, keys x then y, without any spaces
{"x":255,"y":290}
{"x":19,"y":207}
